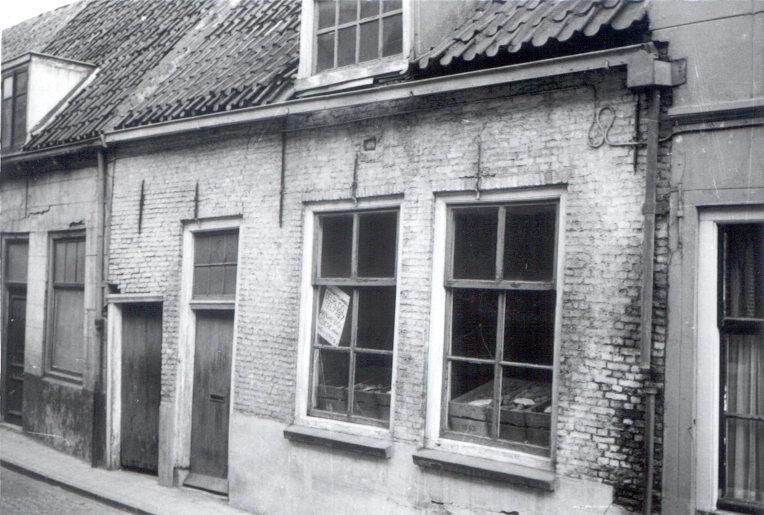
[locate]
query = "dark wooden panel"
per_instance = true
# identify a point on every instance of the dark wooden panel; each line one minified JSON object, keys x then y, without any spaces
{"x":211,"y":397}
{"x":141,"y":386}
{"x":68,"y":330}
{"x":14,"y":358}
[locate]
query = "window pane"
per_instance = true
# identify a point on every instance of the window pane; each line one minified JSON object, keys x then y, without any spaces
{"x":743,"y":471}
{"x":59,"y":261}
{"x":336,"y":245}
{"x":473,"y":323}
{"x":325,"y":13}
{"x":392,"y":35}
{"x":744,"y":270}
{"x":369,"y":41}
{"x":16,"y":268}
{"x":229,"y":284}
{"x":217,"y":247}
{"x":373,"y":376}
{"x":334,"y":316}
{"x":217,"y":279}
{"x":332,"y":369}
{"x":391,"y":5}
{"x":80,"y":273}
{"x":21,"y":82}
{"x":68,"y":320}
{"x":8,"y":87}
{"x":529,"y":242}
{"x":232,"y":247}
{"x":376,"y":244}
{"x":20,"y":120}
{"x":202,"y":249}
{"x":346,"y":46}
{"x":471,"y":389}
{"x":325,"y":51}
{"x":526,"y":406}
{"x":201,"y":280}
{"x":348,"y":10}
{"x":7,"y":115}
{"x":70,"y":268}
{"x":475,"y":243}
{"x":376,"y":318}
{"x":529,"y":327}
{"x":369,"y":8}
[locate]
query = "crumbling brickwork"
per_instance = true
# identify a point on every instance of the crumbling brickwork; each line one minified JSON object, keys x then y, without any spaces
{"x":530,"y":135}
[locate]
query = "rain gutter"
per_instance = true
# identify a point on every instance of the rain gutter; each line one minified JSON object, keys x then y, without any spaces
{"x":638,"y":59}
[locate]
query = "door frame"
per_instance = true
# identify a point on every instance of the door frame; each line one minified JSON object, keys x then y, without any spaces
{"x":4,"y":302}
{"x":183,"y":401}
{"x":707,"y":363}
{"x":116,"y":302}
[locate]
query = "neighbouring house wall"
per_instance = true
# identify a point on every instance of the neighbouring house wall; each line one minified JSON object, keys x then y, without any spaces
{"x":532,"y":135}
{"x":710,"y":169}
{"x":56,"y":411}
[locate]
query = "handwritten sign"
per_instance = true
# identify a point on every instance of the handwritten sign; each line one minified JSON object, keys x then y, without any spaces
{"x":332,"y":315}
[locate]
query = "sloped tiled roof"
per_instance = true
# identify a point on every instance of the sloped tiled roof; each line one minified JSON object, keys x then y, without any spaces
{"x":36,"y":33}
{"x":124,"y":39}
{"x":512,"y":25}
{"x":248,"y":58}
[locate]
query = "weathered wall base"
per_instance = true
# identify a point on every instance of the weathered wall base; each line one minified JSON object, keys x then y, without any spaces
{"x":269,"y":474}
{"x":59,"y":414}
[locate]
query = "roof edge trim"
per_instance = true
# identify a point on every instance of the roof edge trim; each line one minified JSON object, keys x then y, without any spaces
{"x":23,"y":58}
{"x":639,"y":55}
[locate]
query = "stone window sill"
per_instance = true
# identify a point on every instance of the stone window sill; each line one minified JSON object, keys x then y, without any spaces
{"x":481,"y":468}
{"x":342,"y":441}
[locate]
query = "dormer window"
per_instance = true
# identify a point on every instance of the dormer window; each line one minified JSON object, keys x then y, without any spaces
{"x":14,"y":117}
{"x":34,"y":87}
{"x":352,"y":43}
{"x":355,"y":31}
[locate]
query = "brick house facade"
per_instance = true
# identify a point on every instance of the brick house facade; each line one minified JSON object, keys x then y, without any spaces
{"x":224,"y":208}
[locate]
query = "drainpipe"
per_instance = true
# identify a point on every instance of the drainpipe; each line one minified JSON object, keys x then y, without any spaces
{"x":648,"y":257}
{"x":98,"y":440}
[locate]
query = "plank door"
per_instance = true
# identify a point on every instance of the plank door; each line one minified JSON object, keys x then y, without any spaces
{"x":14,"y":378}
{"x":141,"y":386}
{"x":211,"y":401}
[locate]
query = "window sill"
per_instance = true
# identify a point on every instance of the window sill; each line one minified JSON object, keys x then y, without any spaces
{"x":481,"y":468}
{"x":349,"y":77}
{"x":343,"y":441}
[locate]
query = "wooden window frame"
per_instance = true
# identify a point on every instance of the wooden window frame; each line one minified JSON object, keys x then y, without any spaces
{"x":355,"y":283}
{"x":502,"y":286}
{"x":380,"y":16}
{"x":730,"y":325}
{"x":50,"y":369}
{"x":208,"y":302}
{"x":15,"y":140}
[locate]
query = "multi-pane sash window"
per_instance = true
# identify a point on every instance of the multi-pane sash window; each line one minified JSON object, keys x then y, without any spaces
{"x":499,"y":362}
{"x":355,"y":31}
{"x":67,"y":306}
{"x":14,"y":109}
{"x":215,"y":262}
{"x":354,"y":318}
{"x":741,"y":327}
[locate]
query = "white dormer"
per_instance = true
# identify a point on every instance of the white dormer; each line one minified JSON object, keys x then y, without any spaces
{"x":348,"y":43}
{"x":33,"y":85}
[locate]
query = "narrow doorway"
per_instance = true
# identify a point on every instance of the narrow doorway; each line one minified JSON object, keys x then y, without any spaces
{"x":15,"y":291}
{"x":141,"y":386}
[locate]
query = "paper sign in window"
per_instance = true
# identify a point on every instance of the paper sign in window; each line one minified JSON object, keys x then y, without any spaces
{"x":331,"y":317}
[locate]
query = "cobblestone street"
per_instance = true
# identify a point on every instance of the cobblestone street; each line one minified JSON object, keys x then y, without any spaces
{"x":22,"y":495}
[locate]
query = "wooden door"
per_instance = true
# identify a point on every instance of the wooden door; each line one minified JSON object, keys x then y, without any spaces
{"x":141,"y":386}
{"x":14,"y":358}
{"x":211,"y":401}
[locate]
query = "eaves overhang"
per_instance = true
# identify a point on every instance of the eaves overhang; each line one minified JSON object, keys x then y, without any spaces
{"x":643,"y":69}
{"x":639,"y":61}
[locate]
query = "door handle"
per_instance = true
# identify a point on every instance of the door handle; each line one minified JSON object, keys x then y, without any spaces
{"x":217,"y":398}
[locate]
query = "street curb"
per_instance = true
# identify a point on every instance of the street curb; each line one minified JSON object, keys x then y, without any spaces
{"x":21,"y":469}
